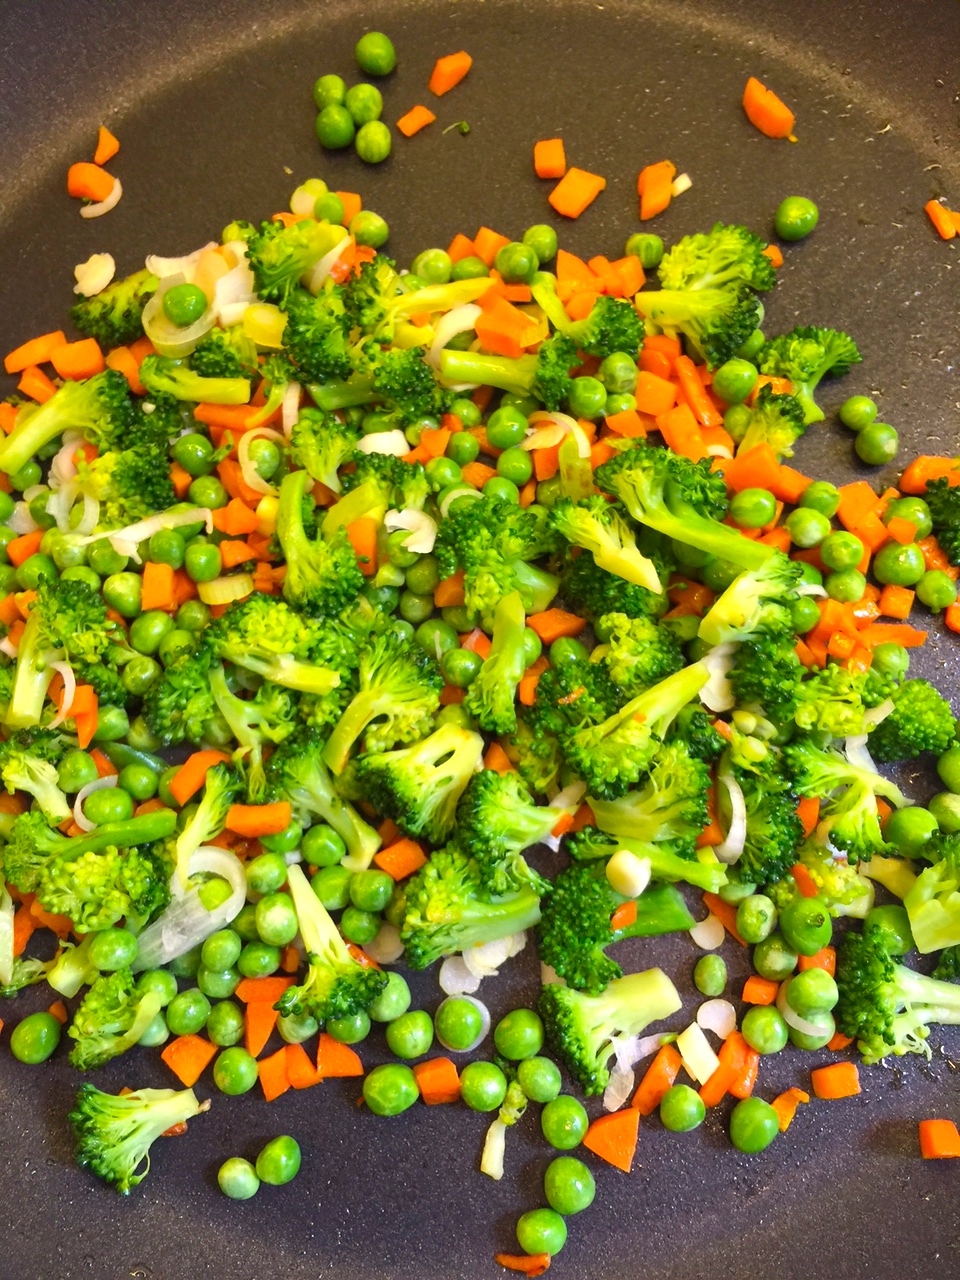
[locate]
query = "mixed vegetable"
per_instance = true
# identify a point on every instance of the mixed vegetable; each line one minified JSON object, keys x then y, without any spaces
{"x":408,"y":574}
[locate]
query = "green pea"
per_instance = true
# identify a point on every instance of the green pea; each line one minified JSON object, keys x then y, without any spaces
{"x":937,"y":590}
{"x":27,"y":476}
{"x":619,"y":403}
{"x":913,"y":509}
{"x":237,"y":1179}
{"x":159,"y":981}
{"x":184,"y":304}
{"x":756,"y":918}
{"x":258,"y":959}
{"x":458,"y":1023}
{"x":415,"y":608}
{"x":891,"y":660}
{"x":734,"y":380}
{"x":329,"y":208}
{"x":112,"y":949}
{"x":753,"y":1125}
{"x":364,"y":102}
{"x":351,"y":1028}
{"x":375,"y":54}
{"x":390,"y":1089}
{"x":483,"y":1086}
{"x":322,"y":846}
{"x":945,"y":808}
{"x":506,"y":427}
{"x":566,"y":650}
{"x":192,"y":616}
{"x":795,"y":218}
{"x":948,"y":767}
{"x":202,"y":562}
{"x":359,"y":926}
{"x":682,"y":1109}
{"x":392,"y":1001}
{"x":335,"y":127}
{"x":539,"y":1078}
{"x":373,"y":142}
{"x":225,"y":1024}
{"x":900,"y":565}
{"x":542,"y":239}
{"x":285,"y":841}
{"x":764,"y":1029}
{"x":77,"y":770}
{"x":113,"y":724}
{"x":519,"y":1034}
{"x":826,"y":1028}
{"x":433,"y":266}
{"x":846,"y":586}
{"x":911,"y":829}
{"x":460,"y":667}
{"x":564,"y":1122}
{"x":35,"y":1037}
{"x":295,"y":1028}
{"x":857,"y":412}
{"x":753,"y":508}
{"x":806,"y":527}
{"x":877,"y":444}
{"x":371,"y":890}
{"x":411,"y":1034}
{"x":806,"y":925}
{"x":470,"y":268}
{"x":812,"y":991}
{"x":516,"y":262}
{"x":186,"y":966}
{"x":568,"y":1185}
{"x":218,"y":984}
{"x":187,"y":1012}
{"x":111,"y":804}
{"x":841,"y":551}
{"x":221,"y":950}
{"x":587,"y":397}
{"x":36,"y":569}
{"x":369,"y":229}
{"x":894,"y":925}
{"x":541,"y":1231}
{"x":804,"y":614}
{"x":194,"y":453}
{"x":515,"y":465}
{"x":276,"y":919}
{"x":37,"y":507}
{"x":279,"y":1161}
{"x":647,"y":247}
{"x":710,"y":975}
{"x":463,"y":448}
{"x":502,"y":489}
{"x":718,"y":574}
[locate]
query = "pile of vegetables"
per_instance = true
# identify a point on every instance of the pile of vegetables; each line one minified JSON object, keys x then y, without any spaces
{"x":332,"y":593}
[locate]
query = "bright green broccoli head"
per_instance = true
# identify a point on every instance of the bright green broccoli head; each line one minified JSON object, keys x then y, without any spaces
{"x":114,"y":316}
{"x":323,"y":575}
{"x":497,"y":819}
{"x":111,"y":1018}
{"x":838,"y":882}
{"x":943,"y":499}
{"x":612,"y":324}
{"x":278,"y":256}
{"x":758,"y":600}
{"x":637,"y":652}
{"x":830,"y":702}
{"x":599,"y":527}
{"x":180,"y":705}
{"x":805,"y":356}
{"x":722,"y":256}
{"x":670,"y":805}
{"x":130,"y":484}
{"x":163,"y":376}
{"x":397,"y":483}
{"x":28,"y":762}
{"x":714,"y":321}
{"x":30,"y":845}
{"x":100,"y":409}
{"x":405,"y":383}
{"x":321,"y":444}
{"x":775,"y":420}
{"x":921,"y":720}
{"x":536,"y":754}
{"x":98,"y":888}
{"x":591,"y":591}
{"x":316,"y":335}
{"x":766,"y":673}
{"x":572,"y":695}
{"x":225,"y":353}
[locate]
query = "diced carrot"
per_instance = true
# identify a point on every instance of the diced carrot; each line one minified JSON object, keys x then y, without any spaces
{"x":461,"y":247}
{"x":941,"y":218}
{"x":549,"y":158}
{"x":438,"y":1081}
{"x":951,"y":617}
{"x":613,"y":1137}
{"x":624,"y":916}
{"x":477,"y":642}
{"x":181,"y":479}
{"x":575,"y":192}
{"x":857,"y":500}
{"x":272,"y":1071}
{"x":449,"y":591}
{"x":528,"y":491}
{"x":527,"y":688}
{"x":497,"y":759}
{"x":502,"y":328}
{"x":336,"y":1060}
{"x":190,"y":777}
{"x":289,"y":959}
{"x":838,"y":1042}
{"x":35,"y":351}
{"x":107,"y":146}
{"x":655,"y":188}
{"x":301,"y":1069}
{"x":528,"y":1264}
{"x":236,"y":519}
{"x":24,"y":926}
{"x":573,"y":274}
{"x":838,"y":1080}
{"x":632,"y":275}
{"x":552,"y":624}
{"x":926,"y":468}
{"x":766,"y":111}
{"x":896,"y":602}
{"x":733,"y":1059}
{"x":840,"y":645}
{"x":808,"y":811}
{"x":414,"y":120}
{"x":902,"y":531}
{"x":122,"y":359}
{"x":939,"y":1139}
{"x":654,"y":395}
{"x":681,"y":432}
{"x":487,"y":243}
{"x":448,"y":72}
{"x":86,"y":181}
{"x":352,"y":205}
{"x":255,"y":820}
{"x":78,"y":360}
{"x":825,"y":958}
{"x":362,"y":534}
{"x":261,"y":990}
{"x":626,"y":423}
{"x":773,"y":252}
{"x":786,"y":1104}
{"x":9,"y":611}
{"x":693,"y":390}
{"x":23,"y":547}
{"x":658,"y":1078}
{"x":546,"y":461}
{"x":725,"y":912}
{"x":35,"y":384}
{"x":741,"y":1086}
{"x":188,"y":1057}
{"x":259,"y":1022}
{"x":105,"y":768}
{"x":655,"y":362}
{"x":892,"y":633}
{"x":401,"y":858}
{"x":757,"y":990}
{"x":934,"y":557}
{"x":156,"y":590}
{"x":58,"y":1010}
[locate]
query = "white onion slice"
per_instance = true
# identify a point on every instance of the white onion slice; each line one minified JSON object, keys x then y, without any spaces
{"x":315,"y":277}
{"x":544,"y":438}
{"x":718,"y":1016}
{"x":793,"y":1019}
{"x":708,"y":934}
{"x":717,"y":694}
{"x":99,"y":784}
{"x":732,"y":846}
{"x":91,"y":514}
{"x":681,"y":183}
{"x":234,"y":291}
{"x":484,"y":1026}
{"x":619,"y":1088}
{"x":162,"y":267}
{"x":459,"y":320}
{"x":125,"y":541}
{"x":64,"y":464}
{"x":32,"y":491}
{"x":94,"y":275}
{"x":186,"y":920}
{"x":171,"y":339}
{"x":549,"y":976}
{"x":11,"y":650}
{"x":100,"y":207}
{"x":485,"y":960}
{"x":719,"y":451}
{"x":394,"y":442}
{"x":811,"y":589}
{"x":876,"y":715}
{"x":568,"y":424}
{"x":451,"y":497}
{"x":69,"y":689}
{"x":290,"y":408}
{"x":251,"y":475}
{"x":386,"y":947}
{"x":423,"y":530}
{"x":456,"y":979}
{"x":855,"y":749}
{"x":20,"y":520}
{"x":646,"y":1045}
{"x":494,"y":1149}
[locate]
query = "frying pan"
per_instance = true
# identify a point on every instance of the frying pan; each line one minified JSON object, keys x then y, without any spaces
{"x":213,"y":110}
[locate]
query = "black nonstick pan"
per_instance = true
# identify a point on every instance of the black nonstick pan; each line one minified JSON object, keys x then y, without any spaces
{"x":212,"y":106}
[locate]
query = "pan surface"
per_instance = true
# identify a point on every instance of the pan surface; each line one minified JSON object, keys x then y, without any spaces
{"x":212,"y":107}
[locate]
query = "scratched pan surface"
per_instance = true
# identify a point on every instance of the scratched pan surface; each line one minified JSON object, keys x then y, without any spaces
{"x":213,"y":109}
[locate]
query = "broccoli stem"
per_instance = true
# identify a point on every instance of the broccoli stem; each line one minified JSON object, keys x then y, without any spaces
{"x":32,"y":679}
{"x":660,"y":909}
{"x":343,"y":395}
{"x":475,"y":367}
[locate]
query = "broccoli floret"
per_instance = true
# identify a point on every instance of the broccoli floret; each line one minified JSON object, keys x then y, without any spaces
{"x":393,"y":482}
{"x":886,"y":1007}
{"x":180,"y":704}
{"x":72,"y":968}
{"x":757,"y":600}
{"x":943,"y":499}
{"x":114,"y":316}
{"x":571,"y":695}
{"x":221,"y":788}
{"x":599,"y":527}
{"x":921,"y":720}
{"x":667,"y":861}
{"x":397,"y":697}
{"x":612,"y":324}
{"x":158,"y":421}
{"x":933,"y":900}
{"x":316,"y":335}
{"x":278,"y":256}
{"x":948,"y":965}
{"x":766,"y":673}
{"x":848,"y":797}
{"x":613,"y":755}
{"x":671,"y":805}
{"x":321,"y":444}
{"x":545,"y":375}
{"x":225,"y":353}
{"x":830,"y":702}
{"x":535,"y":753}
{"x":367,"y":295}
{"x":163,"y":376}
{"x":446,"y":909}
{"x":582,"y":1029}
{"x":266,"y":636}
{"x":268,"y":717}
{"x":776,"y":420}
{"x":419,"y":786}
{"x":296,"y":772}
{"x":28,"y":762}
{"x":130,"y":484}
{"x":30,"y":845}
{"x":804,"y":356}
{"x":323,"y":575}
{"x":592,"y":592}
{"x":575,"y":927}
{"x":112,"y":1017}
{"x":695,"y":729}
{"x":774,"y":831}
{"x":337,"y":985}
{"x":722,"y":256}
{"x":490,"y":697}
{"x":682,"y":499}
{"x":115,"y":1132}
{"x":99,"y":408}
{"x":97,"y":887}
{"x":636,"y":651}
{"x":406,"y":385}
{"x":496,"y":820}
{"x":838,"y":882}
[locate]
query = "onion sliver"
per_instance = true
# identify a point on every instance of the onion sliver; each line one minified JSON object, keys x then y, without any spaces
{"x":459,"y":320}
{"x":494,"y":1148}
{"x":170,"y":339}
{"x":393,"y":442}
{"x":125,"y":541}
{"x":481,"y":1034}
{"x":718,"y":1016}
{"x":101,"y":207}
{"x":386,"y":947}
{"x":876,"y":715}
{"x":99,"y":784}
{"x":290,"y":408}
{"x":186,"y":920}
{"x":619,"y":1088}
{"x":708,"y":934}
{"x":456,"y":979}
{"x":315,"y":277}
{"x":251,"y":475}
{"x":66,"y":698}
{"x":422,"y":529}
{"x":732,"y":847}
{"x":855,"y":749}
{"x":182,"y":266}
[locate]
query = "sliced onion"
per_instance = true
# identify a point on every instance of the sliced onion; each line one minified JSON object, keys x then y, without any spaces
{"x":481,"y":1034}
{"x":423,"y":530}
{"x":568,"y":799}
{"x":315,"y":277}
{"x":7,"y":647}
{"x":452,"y":496}
{"x":233,"y":293}
{"x":459,"y":320}
{"x":876,"y":715}
{"x":716,"y":694}
{"x":172,"y":339}
{"x":855,"y":749}
{"x":386,"y":948}
{"x":64,"y":464}
{"x":494,"y":1149}
{"x":100,"y":207}
{"x":125,"y":541}
{"x":719,"y":451}
{"x":91,"y":514}
{"x":100,"y":784}
{"x":544,"y":438}
{"x":69,"y":689}
{"x":708,"y":934}
{"x":569,"y":425}
{"x":793,"y":1019}
{"x":94,"y":275}
{"x":681,"y":183}
{"x":456,"y":979}
{"x":549,"y":976}
{"x":32,"y":491}
{"x":718,"y":1016}
{"x":619,"y":1088}
{"x":226,"y":589}
{"x":20,"y":519}
{"x":290,"y":408}
{"x":162,"y":267}
{"x":251,"y":475}
{"x":485,"y":960}
{"x":186,"y":920}
{"x":394,"y":442}
{"x":811,"y":589}
{"x":732,"y":847}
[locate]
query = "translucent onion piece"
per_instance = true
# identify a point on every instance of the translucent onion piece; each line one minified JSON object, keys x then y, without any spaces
{"x":94,"y":275}
{"x":226,"y":589}
{"x":718,"y":1016}
{"x":91,"y":514}
{"x":456,"y":979}
{"x":568,"y":424}
{"x":232,"y":313}
{"x":394,"y":442}
{"x":386,"y":948}
{"x":647,"y":1045}
{"x":716,"y":694}
{"x":793,"y":1019}
{"x":459,"y":320}
{"x":183,"y":266}
{"x":101,"y":207}
{"x":626,"y":1050}
{"x":322,"y":268}
{"x":234,"y":290}
{"x":251,"y":475}
{"x":876,"y":715}
{"x":855,"y":749}
{"x":719,"y":451}
{"x":290,"y":408}
{"x":171,"y":339}
{"x":99,"y":784}
{"x":481,"y":1034}
{"x":423,"y":530}
{"x":125,"y":541}
{"x":186,"y":920}
{"x":811,"y":589}
{"x":9,"y":649}
{"x":619,"y":1089}
{"x":494,"y":1149}
{"x":64,"y":464}
{"x":20,"y":520}
{"x":33,"y":491}
{"x":732,"y":847}
{"x":485,"y":960}
{"x":681,"y":183}
{"x":544,"y":438}
{"x":453,"y":495}
{"x":69,"y":689}
{"x":708,"y":934}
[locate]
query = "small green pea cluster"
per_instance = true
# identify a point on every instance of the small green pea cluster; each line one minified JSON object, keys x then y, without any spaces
{"x":352,"y":115}
{"x":277,"y":1164}
{"x":876,"y":442}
